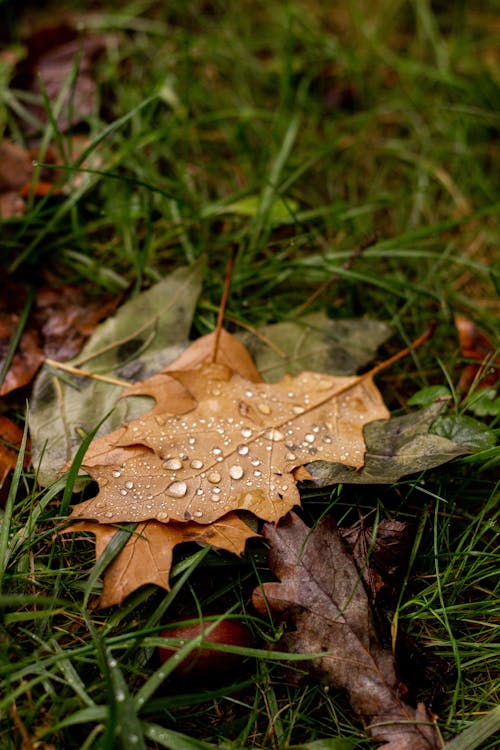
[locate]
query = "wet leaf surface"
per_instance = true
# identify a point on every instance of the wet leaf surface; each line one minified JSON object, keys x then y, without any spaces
{"x":395,"y":448}
{"x":231,"y":444}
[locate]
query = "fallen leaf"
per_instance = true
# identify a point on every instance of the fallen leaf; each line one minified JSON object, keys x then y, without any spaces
{"x":10,"y":441}
{"x":315,"y":342}
{"x":18,"y":171}
{"x":476,"y":345}
{"x":147,"y":332}
{"x":60,"y":320}
{"x":66,"y":317}
{"x":394,"y":448}
{"x":322,"y":599}
{"x":16,"y":167}
{"x":234,"y":446}
{"x":57,"y":55}
{"x":380,"y":554}
{"x":147,"y":556}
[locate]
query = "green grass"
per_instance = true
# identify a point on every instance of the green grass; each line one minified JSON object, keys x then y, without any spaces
{"x":372,"y":125}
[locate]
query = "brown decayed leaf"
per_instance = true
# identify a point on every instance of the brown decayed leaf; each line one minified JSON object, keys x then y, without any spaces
{"x":10,"y":441}
{"x":59,"y":322}
{"x":321,"y":596}
{"x":147,"y":556}
{"x":52,"y":54}
{"x":236,"y":448}
{"x":475,"y":345}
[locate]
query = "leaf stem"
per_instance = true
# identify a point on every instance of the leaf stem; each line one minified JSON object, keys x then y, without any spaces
{"x":222,"y":306}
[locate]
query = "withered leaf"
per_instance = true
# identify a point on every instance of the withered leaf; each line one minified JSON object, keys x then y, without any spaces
{"x":234,"y":446}
{"x":55,"y":54}
{"x":59,"y":322}
{"x":315,"y":342}
{"x":321,"y":596}
{"x":11,"y":437}
{"x":475,"y":345}
{"x":145,"y":334}
{"x":394,"y":448}
{"x":147,"y":556}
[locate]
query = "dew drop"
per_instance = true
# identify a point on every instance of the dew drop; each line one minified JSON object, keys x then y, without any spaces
{"x":162,"y":516}
{"x":216,"y":451}
{"x":297,"y":409}
{"x":173,"y":464}
{"x":249,"y":394}
{"x":196,"y":463}
{"x":236,"y":472}
{"x":214,"y":477}
{"x":199,"y":491}
{"x":256,"y":462}
{"x":290,"y":456}
{"x":192,"y":441}
{"x":264,"y":408}
{"x":216,"y":490}
{"x":116,"y":473}
{"x":247,"y":432}
{"x":109,"y":514}
{"x":257,"y":473}
{"x":123,"y":492}
{"x":198,"y":513}
{"x":309,"y":437}
{"x":177,"y":489}
{"x":274,"y":435}
{"x":243,"y":450}
{"x":129,"y":485}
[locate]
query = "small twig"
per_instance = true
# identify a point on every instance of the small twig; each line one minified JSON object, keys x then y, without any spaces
{"x":84,"y":373}
{"x":371,"y":240}
{"x":222,"y":306}
{"x":403,"y":353}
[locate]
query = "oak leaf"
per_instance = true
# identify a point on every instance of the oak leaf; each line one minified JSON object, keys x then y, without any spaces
{"x":147,"y":555}
{"x":322,"y":598}
{"x":218,"y":441}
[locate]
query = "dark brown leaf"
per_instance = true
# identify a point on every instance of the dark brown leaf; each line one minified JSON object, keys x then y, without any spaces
{"x":53,"y":55}
{"x":323,"y":600}
{"x":60,"y":321}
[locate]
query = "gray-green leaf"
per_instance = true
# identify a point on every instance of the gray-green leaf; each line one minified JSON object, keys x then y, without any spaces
{"x":315,"y":342}
{"x":146,"y":334}
{"x":394,"y":448}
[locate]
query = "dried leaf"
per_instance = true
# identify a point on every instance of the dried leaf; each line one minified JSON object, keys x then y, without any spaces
{"x":55,"y":55}
{"x":59,"y":322}
{"x":315,"y":342}
{"x":381,"y":555}
{"x":147,"y":556}
{"x":16,"y":167}
{"x":146,"y":333}
{"x":321,"y":597}
{"x":475,"y":345}
{"x":10,"y":441}
{"x":234,"y":445}
{"x":394,"y":448}
{"x":66,"y":317}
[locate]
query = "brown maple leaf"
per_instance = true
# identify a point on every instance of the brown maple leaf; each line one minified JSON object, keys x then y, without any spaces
{"x":147,"y":556}
{"x":218,"y":440}
{"x":322,"y":598}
